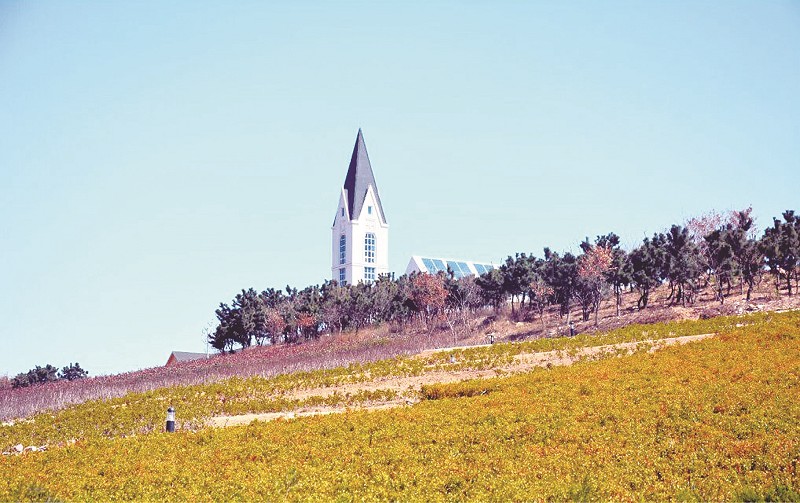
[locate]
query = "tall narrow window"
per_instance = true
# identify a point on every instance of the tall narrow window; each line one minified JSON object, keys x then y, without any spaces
{"x":369,"y":210}
{"x":342,"y":248}
{"x":342,"y":276}
{"x":343,"y":211}
{"x":369,"y":248}
{"x":369,"y":274}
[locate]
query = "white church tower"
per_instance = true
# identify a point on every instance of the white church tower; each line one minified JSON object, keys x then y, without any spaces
{"x":360,"y":232}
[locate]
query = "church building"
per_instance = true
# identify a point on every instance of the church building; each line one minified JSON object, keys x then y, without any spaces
{"x":360,"y":233}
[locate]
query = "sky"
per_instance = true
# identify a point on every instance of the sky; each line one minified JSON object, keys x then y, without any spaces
{"x":158,"y":157}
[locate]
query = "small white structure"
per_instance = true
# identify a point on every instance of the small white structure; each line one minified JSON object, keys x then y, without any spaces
{"x":360,"y":233}
{"x":460,"y":268}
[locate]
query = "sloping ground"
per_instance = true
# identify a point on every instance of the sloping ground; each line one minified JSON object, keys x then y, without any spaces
{"x":405,"y":390}
{"x":715,"y":420}
{"x":143,"y":413}
{"x":330,"y":351}
{"x":372,"y":344}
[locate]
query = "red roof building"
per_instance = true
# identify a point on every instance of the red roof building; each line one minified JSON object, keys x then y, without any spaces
{"x":183,"y":356}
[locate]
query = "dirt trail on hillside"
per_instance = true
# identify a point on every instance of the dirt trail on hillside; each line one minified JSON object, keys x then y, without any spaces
{"x":408,"y":387}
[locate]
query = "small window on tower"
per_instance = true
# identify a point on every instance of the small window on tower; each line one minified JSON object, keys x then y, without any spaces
{"x":343,"y":211}
{"x":369,"y":210}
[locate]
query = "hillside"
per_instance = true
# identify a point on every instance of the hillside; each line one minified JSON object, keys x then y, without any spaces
{"x":714,"y":419}
{"x":372,"y":344}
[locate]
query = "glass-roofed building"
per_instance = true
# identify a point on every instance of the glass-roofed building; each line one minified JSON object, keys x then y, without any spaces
{"x":360,"y":232}
{"x":460,"y":268}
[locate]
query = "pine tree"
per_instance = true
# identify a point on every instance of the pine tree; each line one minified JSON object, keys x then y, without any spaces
{"x":647,"y":264}
{"x":781,"y":247}
{"x":72,"y":372}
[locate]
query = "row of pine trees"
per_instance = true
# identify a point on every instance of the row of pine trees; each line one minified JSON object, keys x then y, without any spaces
{"x":721,"y":251}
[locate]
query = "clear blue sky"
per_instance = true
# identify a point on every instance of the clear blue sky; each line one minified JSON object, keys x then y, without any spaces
{"x":157,"y":157}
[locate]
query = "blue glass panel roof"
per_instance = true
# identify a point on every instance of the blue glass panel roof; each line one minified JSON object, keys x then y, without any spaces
{"x":454,"y":267}
{"x":460,"y":268}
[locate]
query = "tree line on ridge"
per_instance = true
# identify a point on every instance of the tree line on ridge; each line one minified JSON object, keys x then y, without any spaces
{"x":718,"y":250}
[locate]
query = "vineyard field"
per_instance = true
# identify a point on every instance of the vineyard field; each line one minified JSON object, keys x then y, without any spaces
{"x":717,"y":419}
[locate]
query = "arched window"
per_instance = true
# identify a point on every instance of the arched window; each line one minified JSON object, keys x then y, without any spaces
{"x":342,"y":248}
{"x":369,"y":248}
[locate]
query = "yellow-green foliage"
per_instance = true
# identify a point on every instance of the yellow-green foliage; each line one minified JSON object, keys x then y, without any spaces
{"x":463,"y":389}
{"x":139,"y":413}
{"x":712,"y":420}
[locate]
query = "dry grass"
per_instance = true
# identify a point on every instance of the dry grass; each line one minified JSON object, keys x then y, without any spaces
{"x":526,"y":325}
{"x":329,"y":351}
{"x":408,"y":388}
{"x":372,"y":344}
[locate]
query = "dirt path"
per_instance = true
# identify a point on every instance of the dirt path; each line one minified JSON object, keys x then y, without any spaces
{"x":411,"y":384}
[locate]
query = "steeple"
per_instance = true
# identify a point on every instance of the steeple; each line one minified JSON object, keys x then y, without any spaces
{"x":359,"y":178}
{"x":360,"y":234}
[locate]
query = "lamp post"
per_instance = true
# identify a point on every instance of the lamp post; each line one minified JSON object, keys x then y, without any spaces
{"x":171,"y":420}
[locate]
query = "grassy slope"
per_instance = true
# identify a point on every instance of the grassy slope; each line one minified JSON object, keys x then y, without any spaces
{"x":141,"y":413}
{"x":369,"y":345}
{"x":717,"y":419}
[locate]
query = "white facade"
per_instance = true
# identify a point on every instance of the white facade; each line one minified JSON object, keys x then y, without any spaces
{"x":356,"y":255}
{"x":359,"y":243}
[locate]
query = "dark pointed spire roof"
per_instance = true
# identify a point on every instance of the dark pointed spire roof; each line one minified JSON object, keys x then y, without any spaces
{"x":359,"y":178}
